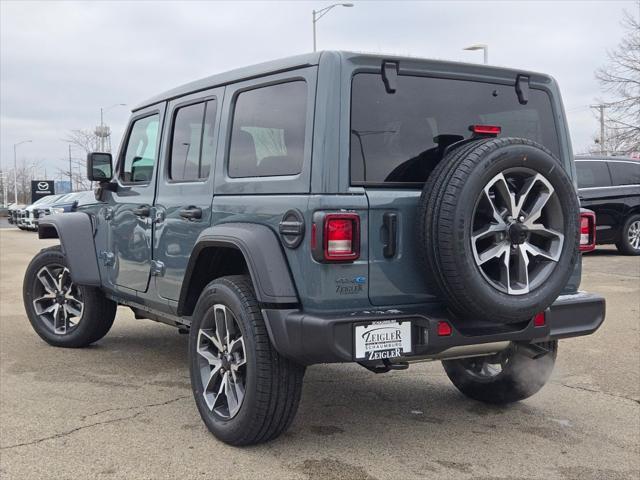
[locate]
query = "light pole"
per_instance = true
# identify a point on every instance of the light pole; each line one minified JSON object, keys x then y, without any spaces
{"x":15,"y":170}
{"x":102,"y":130}
{"x":480,"y":46}
{"x":317,"y":15}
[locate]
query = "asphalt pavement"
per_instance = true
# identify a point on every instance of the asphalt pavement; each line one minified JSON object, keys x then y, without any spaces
{"x":123,"y":408}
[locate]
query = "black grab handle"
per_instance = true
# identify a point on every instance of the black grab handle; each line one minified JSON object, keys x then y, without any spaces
{"x":390,"y":223}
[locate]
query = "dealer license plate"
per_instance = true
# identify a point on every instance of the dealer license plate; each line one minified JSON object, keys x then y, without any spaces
{"x":382,"y":339}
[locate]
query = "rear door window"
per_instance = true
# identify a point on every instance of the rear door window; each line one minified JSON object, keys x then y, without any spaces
{"x":268,"y":133}
{"x":400,"y":137}
{"x":592,"y":174}
{"x":625,"y":173}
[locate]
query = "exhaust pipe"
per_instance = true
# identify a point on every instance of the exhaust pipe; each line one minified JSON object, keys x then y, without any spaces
{"x":464,"y":351}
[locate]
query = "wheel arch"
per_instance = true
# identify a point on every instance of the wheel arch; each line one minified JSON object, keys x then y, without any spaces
{"x":235,"y":249}
{"x":75,"y":231}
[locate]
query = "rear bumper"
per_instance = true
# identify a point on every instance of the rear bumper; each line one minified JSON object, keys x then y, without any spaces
{"x":312,"y":338}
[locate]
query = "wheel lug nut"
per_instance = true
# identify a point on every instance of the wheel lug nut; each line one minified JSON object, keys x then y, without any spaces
{"x":521,"y":218}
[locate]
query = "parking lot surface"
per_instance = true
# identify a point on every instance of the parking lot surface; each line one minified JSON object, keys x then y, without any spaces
{"x":123,"y":408}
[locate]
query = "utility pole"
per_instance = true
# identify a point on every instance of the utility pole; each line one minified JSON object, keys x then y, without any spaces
{"x":603,"y":148}
{"x":71,"y":169}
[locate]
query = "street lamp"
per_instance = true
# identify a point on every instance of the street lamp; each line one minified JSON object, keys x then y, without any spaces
{"x":317,"y":15}
{"x":15,"y":170}
{"x":102,"y":129}
{"x":480,"y":46}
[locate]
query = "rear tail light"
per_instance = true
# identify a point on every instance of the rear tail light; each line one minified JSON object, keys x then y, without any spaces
{"x":340,"y":237}
{"x":587,"y":231}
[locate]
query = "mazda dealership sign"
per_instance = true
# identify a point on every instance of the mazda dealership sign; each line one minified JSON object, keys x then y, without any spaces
{"x":41,"y":188}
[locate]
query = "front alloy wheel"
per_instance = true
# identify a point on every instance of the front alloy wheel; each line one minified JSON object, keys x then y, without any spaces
{"x":63,"y":313}
{"x":57,"y":300}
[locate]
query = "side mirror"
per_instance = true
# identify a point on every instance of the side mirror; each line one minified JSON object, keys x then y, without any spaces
{"x":99,"y":167}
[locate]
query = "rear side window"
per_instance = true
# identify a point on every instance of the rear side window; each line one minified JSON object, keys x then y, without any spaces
{"x":400,"y":137}
{"x":592,"y":174}
{"x":267,"y":137}
{"x":141,"y":153}
{"x":192,"y":142}
{"x":625,"y":173}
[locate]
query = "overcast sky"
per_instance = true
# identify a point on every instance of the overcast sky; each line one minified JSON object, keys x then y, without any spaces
{"x":61,"y":61}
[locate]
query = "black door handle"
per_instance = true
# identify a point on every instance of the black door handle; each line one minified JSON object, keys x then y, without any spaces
{"x":191,"y":213}
{"x":390,"y":224}
{"x":142,"y":211}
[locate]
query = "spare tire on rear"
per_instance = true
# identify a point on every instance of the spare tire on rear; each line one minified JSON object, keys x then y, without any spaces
{"x":498,"y":229}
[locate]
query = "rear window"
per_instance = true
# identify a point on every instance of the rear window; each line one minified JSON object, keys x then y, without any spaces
{"x":625,"y":173}
{"x":592,"y":174}
{"x":400,"y":137}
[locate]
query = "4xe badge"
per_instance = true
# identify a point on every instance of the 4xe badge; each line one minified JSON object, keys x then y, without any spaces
{"x":381,"y":340}
{"x":350,"y":286}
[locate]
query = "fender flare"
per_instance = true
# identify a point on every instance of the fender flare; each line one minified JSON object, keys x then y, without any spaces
{"x":263,"y":253}
{"x":75,"y":231}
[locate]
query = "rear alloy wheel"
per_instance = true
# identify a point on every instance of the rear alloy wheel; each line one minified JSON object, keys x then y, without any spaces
{"x":222,"y":361}
{"x":245,"y":391}
{"x":629,"y":243}
{"x":63,"y":313}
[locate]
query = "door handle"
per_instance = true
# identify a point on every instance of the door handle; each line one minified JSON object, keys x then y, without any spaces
{"x":191,"y":213}
{"x":142,"y":211}
{"x":390,"y":224}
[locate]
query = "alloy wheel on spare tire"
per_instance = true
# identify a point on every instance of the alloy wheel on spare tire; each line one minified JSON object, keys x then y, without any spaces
{"x":498,"y":225}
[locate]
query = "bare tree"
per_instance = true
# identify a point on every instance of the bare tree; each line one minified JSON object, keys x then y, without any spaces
{"x":86,"y":141}
{"x":83,"y":139}
{"x":620,"y":79}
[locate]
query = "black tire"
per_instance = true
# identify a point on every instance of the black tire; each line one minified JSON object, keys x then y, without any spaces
{"x":624,"y":245}
{"x":445,"y":212}
{"x":272,"y":383}
{"x":98,"y":312}
{"x":520,"y":378}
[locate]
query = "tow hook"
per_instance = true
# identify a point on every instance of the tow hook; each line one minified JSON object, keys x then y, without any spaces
{"x":385,"y":366}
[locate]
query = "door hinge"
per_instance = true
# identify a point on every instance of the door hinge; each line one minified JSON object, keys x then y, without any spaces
{"x":108,"y":258}
{"x":157,"y":268}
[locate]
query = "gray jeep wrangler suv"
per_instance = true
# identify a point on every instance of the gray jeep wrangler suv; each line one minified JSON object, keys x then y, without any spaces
{"x":332,"y":207}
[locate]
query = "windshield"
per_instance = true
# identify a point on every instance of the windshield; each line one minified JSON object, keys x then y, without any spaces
{"x":400,"y":137}
{"x":44,"y":200}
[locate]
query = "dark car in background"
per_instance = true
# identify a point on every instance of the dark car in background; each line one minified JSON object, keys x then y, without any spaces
{"x":610,"y":186}
{"x":66,"y":203}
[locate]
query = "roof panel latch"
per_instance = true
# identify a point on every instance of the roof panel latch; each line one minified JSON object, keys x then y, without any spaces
{"x":390,"y":76}
{"x":522,"y":89}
